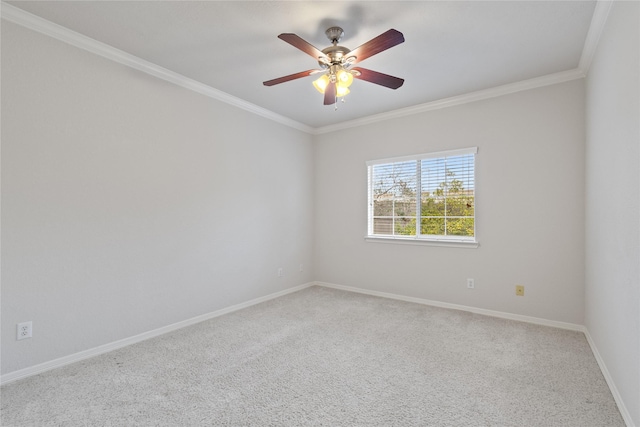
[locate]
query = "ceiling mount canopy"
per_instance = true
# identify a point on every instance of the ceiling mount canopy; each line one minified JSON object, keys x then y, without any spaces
{"x":334,"y":34}
{"x":336,"y":63}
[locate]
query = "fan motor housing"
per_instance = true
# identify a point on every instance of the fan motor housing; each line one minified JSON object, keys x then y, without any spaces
{"x":336,"y":54}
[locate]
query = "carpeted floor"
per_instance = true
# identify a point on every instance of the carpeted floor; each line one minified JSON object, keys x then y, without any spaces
{"x":323,"y":357}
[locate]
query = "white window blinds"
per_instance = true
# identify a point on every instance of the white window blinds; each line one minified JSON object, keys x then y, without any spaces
{"x":428,"y":196}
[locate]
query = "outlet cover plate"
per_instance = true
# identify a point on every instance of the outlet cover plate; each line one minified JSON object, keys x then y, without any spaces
{"x":25,"y":330}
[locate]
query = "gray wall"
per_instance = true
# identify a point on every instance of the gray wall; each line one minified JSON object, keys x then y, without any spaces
{"x":129,"y":203}
{"x":613,"y":201}
{"x":529,"y":207}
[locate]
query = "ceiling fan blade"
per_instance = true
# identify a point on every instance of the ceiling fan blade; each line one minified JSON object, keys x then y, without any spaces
{"x":376,"y":45}
{"x":330,"y":94}
{"x":378,"y":78}
{"x":289,"y":77}
{"x":304,"y":46}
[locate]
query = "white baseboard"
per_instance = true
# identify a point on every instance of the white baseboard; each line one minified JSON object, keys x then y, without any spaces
{"x":626,"y":416}
{"x":492,"y":313}
{"x":86,"y":354}
{"x":538,"y":321}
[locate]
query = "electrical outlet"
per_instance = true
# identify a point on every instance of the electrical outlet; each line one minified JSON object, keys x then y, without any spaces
{"x":25,"y":330}
{"x":520,"y":290}
{"x":301,"y":268}
{"x":471,"y":284}
{"x":280,"y":272}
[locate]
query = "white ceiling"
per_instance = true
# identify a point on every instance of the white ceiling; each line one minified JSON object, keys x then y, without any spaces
{"x":451,"y":48}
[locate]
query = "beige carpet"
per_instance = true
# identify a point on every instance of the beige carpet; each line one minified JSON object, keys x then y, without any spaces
{"x":323,"y":357}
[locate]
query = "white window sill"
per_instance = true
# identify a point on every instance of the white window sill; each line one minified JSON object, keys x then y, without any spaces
{"x":423,"y":242}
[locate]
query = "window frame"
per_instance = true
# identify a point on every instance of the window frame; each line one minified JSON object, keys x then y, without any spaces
{"x":421,"y":239}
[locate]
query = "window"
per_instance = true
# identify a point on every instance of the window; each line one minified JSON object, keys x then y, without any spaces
{"x":435,"y":190}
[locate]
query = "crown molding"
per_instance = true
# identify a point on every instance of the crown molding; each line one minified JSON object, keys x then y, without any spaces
{"x":18,"y":16}
{"x":598,"y":20}
{"x":466,"y":98}
{"x":35,"y":23}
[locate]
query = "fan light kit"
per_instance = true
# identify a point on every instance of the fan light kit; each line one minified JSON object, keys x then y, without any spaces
{"x":336,"y":63}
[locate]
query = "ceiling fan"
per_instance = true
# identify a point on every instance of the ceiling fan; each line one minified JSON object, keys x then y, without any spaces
{"x":336,"y":63}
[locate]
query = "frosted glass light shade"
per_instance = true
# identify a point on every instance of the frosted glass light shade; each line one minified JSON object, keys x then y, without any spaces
{"x":344,"y":78}
{"x":321,"y":83}
{"x":342,"y":91}
{"x":343,"y":81}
